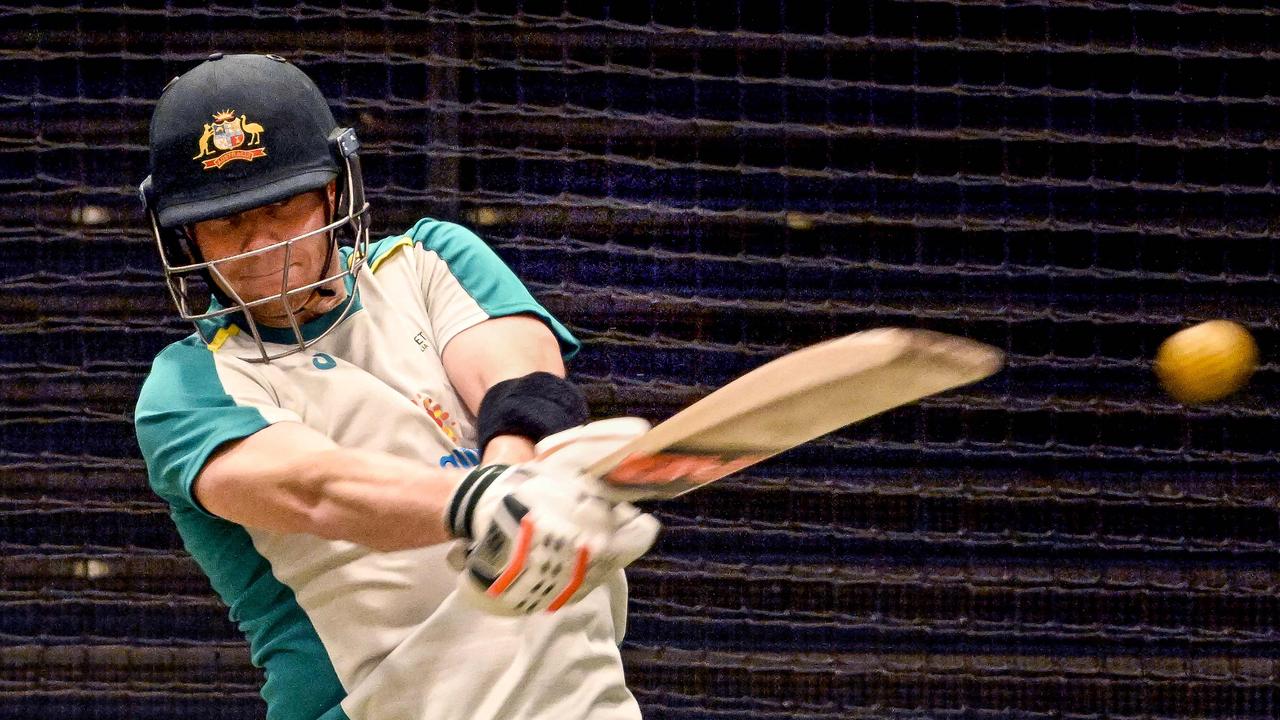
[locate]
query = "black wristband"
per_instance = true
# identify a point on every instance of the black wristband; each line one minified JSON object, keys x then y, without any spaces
{"x":462,"y":506}
{"x":534,"y":406}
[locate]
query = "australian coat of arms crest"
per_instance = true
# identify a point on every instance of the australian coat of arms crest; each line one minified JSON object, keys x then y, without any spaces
{"x":229,"y":138}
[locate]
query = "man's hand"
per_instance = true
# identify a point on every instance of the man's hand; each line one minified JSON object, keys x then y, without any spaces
{"x":543,"y":539}
{"x":549,"y":543}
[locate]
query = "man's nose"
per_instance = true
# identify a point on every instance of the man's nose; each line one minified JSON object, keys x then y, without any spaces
{"x":260,"y":235}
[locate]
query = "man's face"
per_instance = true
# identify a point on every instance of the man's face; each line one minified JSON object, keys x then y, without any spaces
{"x":262,"y":275}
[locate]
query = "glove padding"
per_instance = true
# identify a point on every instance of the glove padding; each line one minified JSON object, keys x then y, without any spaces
{"x":545,"y":539}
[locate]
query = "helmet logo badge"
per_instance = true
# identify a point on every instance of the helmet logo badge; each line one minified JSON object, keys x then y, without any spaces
{"x":227,"y":133}
{"x":229,"y":138}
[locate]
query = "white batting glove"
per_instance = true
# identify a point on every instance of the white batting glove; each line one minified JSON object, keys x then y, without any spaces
{"x":544,"y":539}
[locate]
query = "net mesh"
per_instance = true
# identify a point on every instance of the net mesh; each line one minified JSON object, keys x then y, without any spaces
{"x":697,"y":187}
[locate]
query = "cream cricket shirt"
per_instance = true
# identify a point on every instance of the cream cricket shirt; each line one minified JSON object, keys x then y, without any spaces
{"x":343,"y":631}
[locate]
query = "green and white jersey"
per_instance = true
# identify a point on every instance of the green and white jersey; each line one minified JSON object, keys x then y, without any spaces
{"x":343,"y":631}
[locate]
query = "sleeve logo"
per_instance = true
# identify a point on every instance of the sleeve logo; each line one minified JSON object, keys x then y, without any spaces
{"x":229,"y":138}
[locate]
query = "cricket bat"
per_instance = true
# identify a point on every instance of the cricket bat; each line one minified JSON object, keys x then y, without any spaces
{"x":789,"y":401}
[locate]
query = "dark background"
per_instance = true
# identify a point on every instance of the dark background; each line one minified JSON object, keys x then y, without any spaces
{"x":696,"y":187}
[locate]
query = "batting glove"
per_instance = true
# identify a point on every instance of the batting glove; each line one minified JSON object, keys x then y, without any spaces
{"x":543,"y":538}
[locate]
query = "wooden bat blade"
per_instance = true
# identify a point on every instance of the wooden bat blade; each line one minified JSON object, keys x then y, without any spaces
{"x":789,"y":401}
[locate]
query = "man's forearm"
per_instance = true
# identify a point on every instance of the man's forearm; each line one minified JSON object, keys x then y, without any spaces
{"x":288,"y":478}
{"x":379,"y":500}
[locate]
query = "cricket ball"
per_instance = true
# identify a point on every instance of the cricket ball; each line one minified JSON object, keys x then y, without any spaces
{"x":1206,"y":362}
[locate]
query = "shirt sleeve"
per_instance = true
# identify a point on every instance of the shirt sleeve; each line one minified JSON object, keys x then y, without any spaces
{"x":186,"y":411}
{"x":465,"y":282}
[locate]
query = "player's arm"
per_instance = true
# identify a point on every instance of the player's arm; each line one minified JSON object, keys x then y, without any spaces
{"x":504,"y":349}
{"x":544,"y":542}
{"x":289,"y":478}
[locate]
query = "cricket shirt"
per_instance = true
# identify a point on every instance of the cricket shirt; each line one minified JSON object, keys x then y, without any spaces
{"x":341,"y":630}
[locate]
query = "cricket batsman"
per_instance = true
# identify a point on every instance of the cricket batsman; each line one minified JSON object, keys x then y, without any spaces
{"x":346,"y":442}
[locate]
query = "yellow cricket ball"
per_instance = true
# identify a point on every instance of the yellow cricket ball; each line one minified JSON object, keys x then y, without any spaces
{"x":1206,"y":362}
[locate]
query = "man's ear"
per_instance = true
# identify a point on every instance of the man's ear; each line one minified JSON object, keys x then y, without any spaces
{"x":332,"y":190}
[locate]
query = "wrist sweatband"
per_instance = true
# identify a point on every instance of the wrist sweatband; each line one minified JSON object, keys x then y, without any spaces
{"x":463,"y":504}
{"x":534,"y":406}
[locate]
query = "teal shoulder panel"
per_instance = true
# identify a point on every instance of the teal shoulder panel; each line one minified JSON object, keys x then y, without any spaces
{"x":301,"y":683}
{"x":486,"y":277}
{"x":184,"y":414}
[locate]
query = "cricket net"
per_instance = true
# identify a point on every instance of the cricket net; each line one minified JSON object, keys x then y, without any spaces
{"x":695,"y":188}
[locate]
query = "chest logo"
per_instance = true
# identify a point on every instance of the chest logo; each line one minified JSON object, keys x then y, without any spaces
{"x":439,"y":416}
{"x":228,"y":138}
{"x":421,"y":339}
{"x":323,"y":361}
{"x":461,"y":458}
